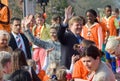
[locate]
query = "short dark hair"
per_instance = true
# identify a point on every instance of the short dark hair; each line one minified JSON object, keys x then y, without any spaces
{"x":116,"y":10}
{"x":92,"y":11}
{"x":13,"y":19}
{"x":108,"y":6}
{"x":20,"y":75}
{"x":54,"y":27}
{"x":56,"y":17}
{"x":91,"y":51}
{"x":88,"y":42}
{"x":39,"y":15}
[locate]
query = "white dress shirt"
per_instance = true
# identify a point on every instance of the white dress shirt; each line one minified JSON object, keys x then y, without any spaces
{"x":21,"y":39}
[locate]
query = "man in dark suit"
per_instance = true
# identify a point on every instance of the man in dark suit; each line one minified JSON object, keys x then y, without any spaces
{"x":69,"y":37}
{"x":17,"y":39}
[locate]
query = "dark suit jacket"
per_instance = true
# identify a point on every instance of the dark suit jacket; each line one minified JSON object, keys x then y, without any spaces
{"x":67,"y":40}
{"x":13,"y":44}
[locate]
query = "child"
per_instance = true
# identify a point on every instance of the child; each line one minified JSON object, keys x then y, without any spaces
{"x":40,"y":73}
{"x":61,"y":75}
{"x":51,"y":71}
{"x":92,"y":29}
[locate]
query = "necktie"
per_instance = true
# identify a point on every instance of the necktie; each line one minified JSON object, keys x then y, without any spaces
{"x":79,"y":39}
{"x":19,"y":42}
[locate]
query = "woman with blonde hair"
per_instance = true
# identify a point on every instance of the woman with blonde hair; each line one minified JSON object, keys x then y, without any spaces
{"x":112,"y":44}
{"x":4,"y":40}
{"x":113,"y":47}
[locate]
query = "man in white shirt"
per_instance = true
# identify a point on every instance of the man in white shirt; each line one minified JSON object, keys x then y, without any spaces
{"x":19,"y":40}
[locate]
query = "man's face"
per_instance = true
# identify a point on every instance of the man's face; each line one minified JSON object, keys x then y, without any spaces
{"x":76,"y":27}
{"x":90,"y":63}
{"x":108,"y":11}
{"x":16,"y":26}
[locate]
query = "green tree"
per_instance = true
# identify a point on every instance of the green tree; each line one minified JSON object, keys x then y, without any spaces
{"x":15,"y":8}
{"x":80,"y":6}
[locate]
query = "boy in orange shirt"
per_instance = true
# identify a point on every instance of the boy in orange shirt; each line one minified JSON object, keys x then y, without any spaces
{"x":111,"y":23}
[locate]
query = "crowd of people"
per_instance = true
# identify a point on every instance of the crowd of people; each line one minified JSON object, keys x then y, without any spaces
{"x":75,"y":48}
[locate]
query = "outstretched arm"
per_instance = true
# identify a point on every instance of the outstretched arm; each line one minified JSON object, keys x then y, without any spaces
{"x":61,"y":32}
{"x":29,"y":35}
{"x":68,"y":14}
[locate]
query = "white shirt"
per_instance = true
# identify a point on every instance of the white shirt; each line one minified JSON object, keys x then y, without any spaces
{"x":23,"y":45}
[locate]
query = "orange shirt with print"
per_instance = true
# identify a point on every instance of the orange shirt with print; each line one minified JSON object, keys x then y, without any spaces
{"x":79,"y":71}
{"x":109,"y":22}
{"x":5,"y":18}
{"x":93,"y":33}
{"x":37,"y":30}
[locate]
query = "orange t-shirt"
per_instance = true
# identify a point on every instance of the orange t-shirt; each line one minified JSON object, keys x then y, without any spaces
{"x":5,"y":18}
{"x":41,"y":74}
{"x":109,"y":22}
{"x":46,"y":78}
{"x":93,"y":33}
{"x":37,"y":30}
{"x":79,"y":71}
{"x":104,"y":29}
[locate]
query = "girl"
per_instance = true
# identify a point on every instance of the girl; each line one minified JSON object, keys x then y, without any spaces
{"x":92,"y":29}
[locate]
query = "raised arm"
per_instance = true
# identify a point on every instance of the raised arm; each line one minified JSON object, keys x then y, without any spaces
{"x":30,"y":37}
{"x":61,"y":32}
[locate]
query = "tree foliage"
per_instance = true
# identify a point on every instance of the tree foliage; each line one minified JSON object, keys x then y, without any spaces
{"x":80,"y":6}
{"x":15,"y":8}
{"x":58,"y":6}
